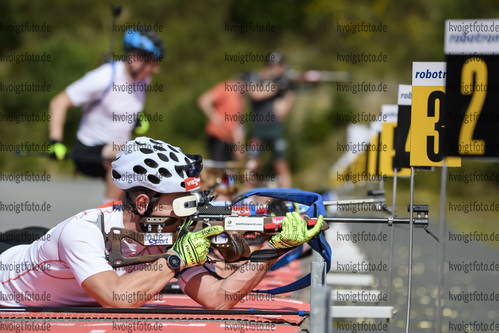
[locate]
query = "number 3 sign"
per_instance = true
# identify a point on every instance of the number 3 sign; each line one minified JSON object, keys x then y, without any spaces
{"x":428,"y":115}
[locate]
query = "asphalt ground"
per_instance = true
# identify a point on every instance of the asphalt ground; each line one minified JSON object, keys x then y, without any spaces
{"x":49,"y":202}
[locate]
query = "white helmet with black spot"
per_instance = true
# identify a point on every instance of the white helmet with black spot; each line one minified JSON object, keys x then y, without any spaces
{"x":156,"y":165}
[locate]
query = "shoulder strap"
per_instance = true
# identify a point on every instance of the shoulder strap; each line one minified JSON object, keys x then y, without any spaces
{"x":316,"y":208}
{"x":108,"y":88}
{"x":100,"y":224}
{"x":289,"y":257}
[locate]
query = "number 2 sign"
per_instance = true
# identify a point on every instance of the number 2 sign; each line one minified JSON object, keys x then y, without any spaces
{"x":472,"y":110}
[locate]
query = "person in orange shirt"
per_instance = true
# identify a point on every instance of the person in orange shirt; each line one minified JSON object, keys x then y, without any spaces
{"x":224,"y":109}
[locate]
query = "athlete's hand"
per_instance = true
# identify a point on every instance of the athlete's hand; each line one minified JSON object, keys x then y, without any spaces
{"x":57,"y":150}
{"x":192,"y":247}
{"x":283,"y":83}
{"x":294,"y":232}
{"x":142,"y":125}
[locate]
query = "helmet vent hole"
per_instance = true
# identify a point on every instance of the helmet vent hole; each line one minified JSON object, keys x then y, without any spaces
{"x":158,"y":147}
{"x":140,"y":170}
{"x":150,"y":163}
{"x":146,"y":150}
{"x":174,"y":157}
{"x":155,"y":142}
{"x":164,"y":172}
{"x":153,"y":179}
{"x":116,"y":175}
{"x":175,"y":150}
{"x":163,"y":157}
{"x":180,"y":172}
{"x":140,"y":143}
{"x":182,"y":184}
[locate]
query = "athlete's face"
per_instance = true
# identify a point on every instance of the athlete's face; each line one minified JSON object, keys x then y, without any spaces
{"x":140,"y":69}
{"x":148,"y":68}
{"x":272,"y":71}
{"x":277,"y":70}
{"x":164,"y":205}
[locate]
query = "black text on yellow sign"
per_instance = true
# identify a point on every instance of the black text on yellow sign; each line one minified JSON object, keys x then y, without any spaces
{"x":387,"y":141}
{"x":387,"y":155}
{"x":402,"y":137}
{"x":428,"y":115}
{"x":373,"y":156}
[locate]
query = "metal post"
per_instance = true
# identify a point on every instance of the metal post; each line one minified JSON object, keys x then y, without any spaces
{"x":318,"y":271}
{"x":379,"y":255}
{"x":390,"y":259}
{"x":321,"y":320}
{"x":409,"y":283}
{"x":441,"y":247}
{"x":392,"y":228}
{"x":320,"y":296}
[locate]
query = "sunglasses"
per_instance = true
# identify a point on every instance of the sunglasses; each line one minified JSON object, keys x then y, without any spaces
{"x":194,"y":168}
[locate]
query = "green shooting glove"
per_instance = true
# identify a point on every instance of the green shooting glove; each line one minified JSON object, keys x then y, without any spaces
{"x":294,"y":232}
{"x":142,"y":125}
{"x":57,"y":150}
{"x":192,"y":247}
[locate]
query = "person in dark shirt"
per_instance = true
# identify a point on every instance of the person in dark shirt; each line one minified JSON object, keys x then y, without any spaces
{"x":270,"y":106}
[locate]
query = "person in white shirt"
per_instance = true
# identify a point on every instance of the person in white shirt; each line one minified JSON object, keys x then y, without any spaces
{"x":68,"y":266}
{"x":112,"y":96}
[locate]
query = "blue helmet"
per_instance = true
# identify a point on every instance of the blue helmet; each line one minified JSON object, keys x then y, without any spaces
{"x":145,"y":42}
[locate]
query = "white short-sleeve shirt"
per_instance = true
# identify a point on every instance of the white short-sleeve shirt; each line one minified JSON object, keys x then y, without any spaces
{"x":50,"y":271}
{"x":107,"y":117}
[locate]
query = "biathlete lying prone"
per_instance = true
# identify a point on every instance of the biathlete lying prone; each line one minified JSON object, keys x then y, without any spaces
{"x":68,"y":266}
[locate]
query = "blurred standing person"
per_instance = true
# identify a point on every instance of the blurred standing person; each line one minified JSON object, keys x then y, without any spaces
{"x":112,"y":96}
{"x":270,"y":108}
{"x":224,"y":109}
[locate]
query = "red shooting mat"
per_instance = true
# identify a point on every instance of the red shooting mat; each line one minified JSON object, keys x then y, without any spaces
{"x":96,"y":322}
{"x":147,"y":326}
{"x":66,"y":322}
{"x":282,"y":276}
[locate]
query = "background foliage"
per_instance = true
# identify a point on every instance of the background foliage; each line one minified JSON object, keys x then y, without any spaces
{"x":196,"y":40}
